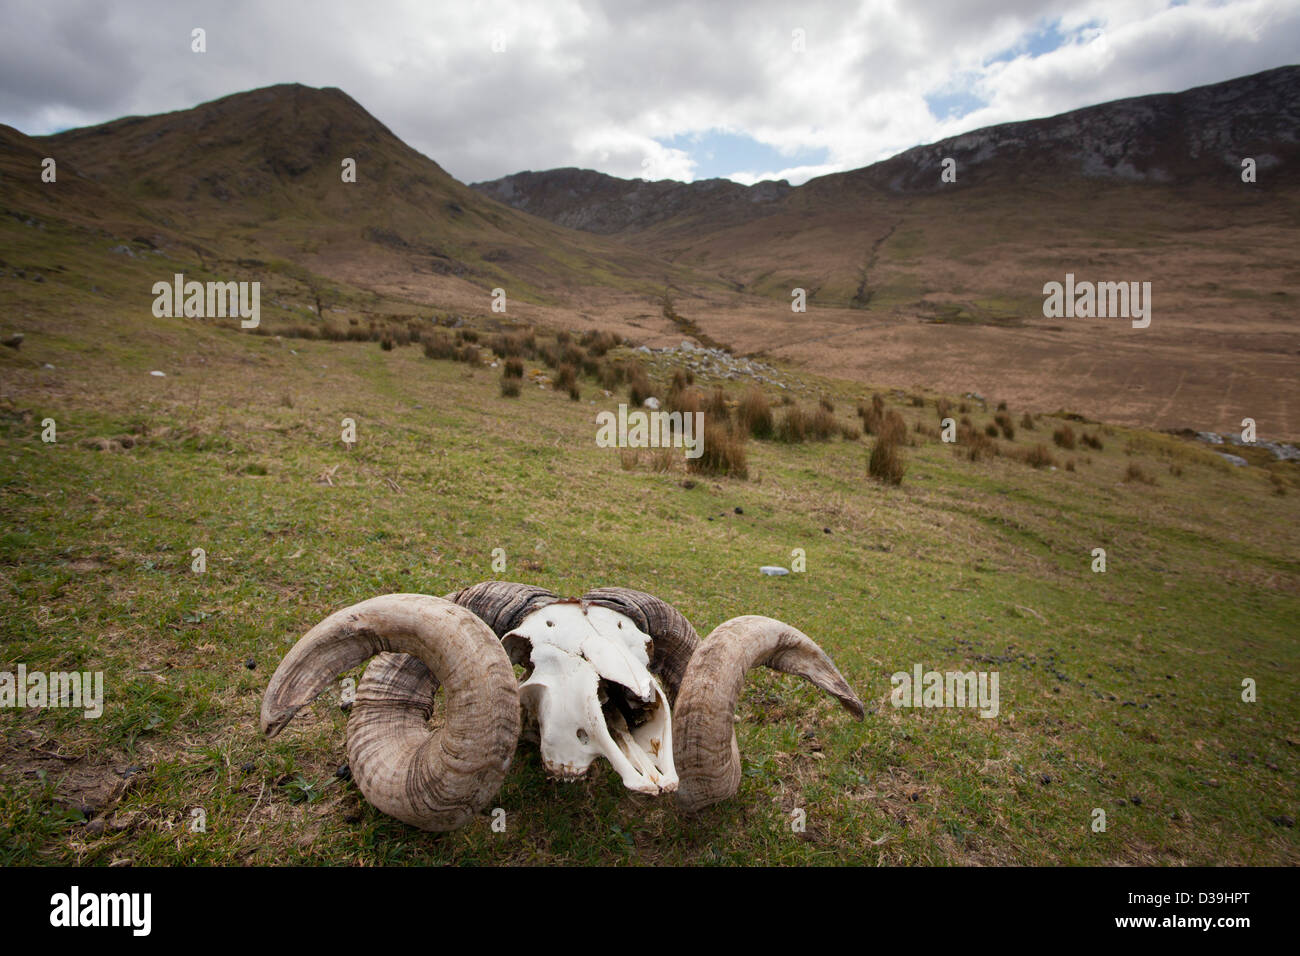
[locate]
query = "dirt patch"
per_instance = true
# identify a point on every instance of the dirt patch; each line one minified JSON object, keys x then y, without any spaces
{"x":90,"y":783}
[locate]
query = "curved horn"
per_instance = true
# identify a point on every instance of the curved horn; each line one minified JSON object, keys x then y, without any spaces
{"x":674,"y":638}
{"x":503,"y":604}
{"x":394,"y":700}
{"x":432,"y":781}
{"x":707,"y":758}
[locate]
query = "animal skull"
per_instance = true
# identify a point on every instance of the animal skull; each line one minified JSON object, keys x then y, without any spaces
{"x":618,"y":674}
{"x":592,"y":695}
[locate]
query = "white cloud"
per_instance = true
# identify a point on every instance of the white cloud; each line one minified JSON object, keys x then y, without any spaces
{"x":579,"y":84}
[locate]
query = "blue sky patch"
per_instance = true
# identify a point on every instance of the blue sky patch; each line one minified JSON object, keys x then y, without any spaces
{"x":719,"y":154}
{"x":953,"y":105}
{"x":1035,"y":43}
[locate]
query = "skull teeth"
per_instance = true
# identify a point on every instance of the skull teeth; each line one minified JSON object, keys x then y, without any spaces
{"x":592,"y":695}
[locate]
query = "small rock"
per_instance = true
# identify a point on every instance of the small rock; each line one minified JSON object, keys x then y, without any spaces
{"x":740,"y":511}
{"x":651,"y":403}
{"x":826,"y":530}
{"x":1137,"y":801}
{"x":1282,"y":821}
{"x":95,"y":827}
{"x":1045,"y":779}
{"x":157,"y":374}
{"x":344,"y":772}
{"x":251,"y":664}
{"x":248,"y":766}
{"x":773,"y":571}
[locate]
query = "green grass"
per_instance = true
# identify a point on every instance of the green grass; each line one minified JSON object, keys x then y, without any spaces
{"x":1113,"y":686}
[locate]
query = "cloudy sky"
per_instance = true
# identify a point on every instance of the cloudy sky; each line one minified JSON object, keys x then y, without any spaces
{"x":641,"y":88}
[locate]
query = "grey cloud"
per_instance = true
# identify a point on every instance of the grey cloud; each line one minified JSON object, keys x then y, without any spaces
{"x":611,"y":72}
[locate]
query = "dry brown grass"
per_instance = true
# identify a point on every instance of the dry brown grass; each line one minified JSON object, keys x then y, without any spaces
{"x":1040,"y":457}
{"x":974,"y":444}
{"x":1003,"y":421}
{"x":638,"y":385}
{"x":793,"y":427}
{"x":438,"y":345}
{"x":754,"y":414}
{"x":724,"y":453}
{"x":1136,"y":474}
{"x":886,"y":462}
{"x":716,"y":407}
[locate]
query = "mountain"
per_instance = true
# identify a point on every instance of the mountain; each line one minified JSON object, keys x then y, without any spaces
{"x":1198,"y":136}
{"x":595,"y":202}
{"x":909,"y":281}
{"x":257,"y":176}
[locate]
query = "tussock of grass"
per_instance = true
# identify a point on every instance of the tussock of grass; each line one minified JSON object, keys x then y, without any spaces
{"x":1136,"y":473}
{"x":754,"y":414}
{"x":886,"y":462}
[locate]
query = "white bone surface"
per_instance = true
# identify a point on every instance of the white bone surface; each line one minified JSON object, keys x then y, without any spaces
{"x":571,"y":649}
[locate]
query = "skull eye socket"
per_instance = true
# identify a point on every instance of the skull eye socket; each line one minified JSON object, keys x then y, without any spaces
{"x":550,"y":624}
{"x":582,"y":735}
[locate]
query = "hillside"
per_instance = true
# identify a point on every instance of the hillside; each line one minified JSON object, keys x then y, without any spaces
{"x":909,"y":281}
{"x":592,"y":201}
{"x":255,"y":178}
{"x":1119,"y":690}
{"x":912,"y":281}
{"x":127,"y":441}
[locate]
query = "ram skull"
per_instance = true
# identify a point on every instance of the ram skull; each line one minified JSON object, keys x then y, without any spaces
{"x":617,"y":674}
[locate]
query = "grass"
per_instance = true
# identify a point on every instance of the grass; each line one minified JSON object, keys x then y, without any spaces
{"x":1114,"y":686}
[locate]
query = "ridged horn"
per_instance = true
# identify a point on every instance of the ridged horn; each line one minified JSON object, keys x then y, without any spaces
{"x":502,"y":604}
{"x":433,"y":781}
{"x":704,"y":738}
{"x":395,"y":698}
{"x":675,"y":640}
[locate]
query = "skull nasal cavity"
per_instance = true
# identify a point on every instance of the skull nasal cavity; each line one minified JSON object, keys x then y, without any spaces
{"x":582,"y":735}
